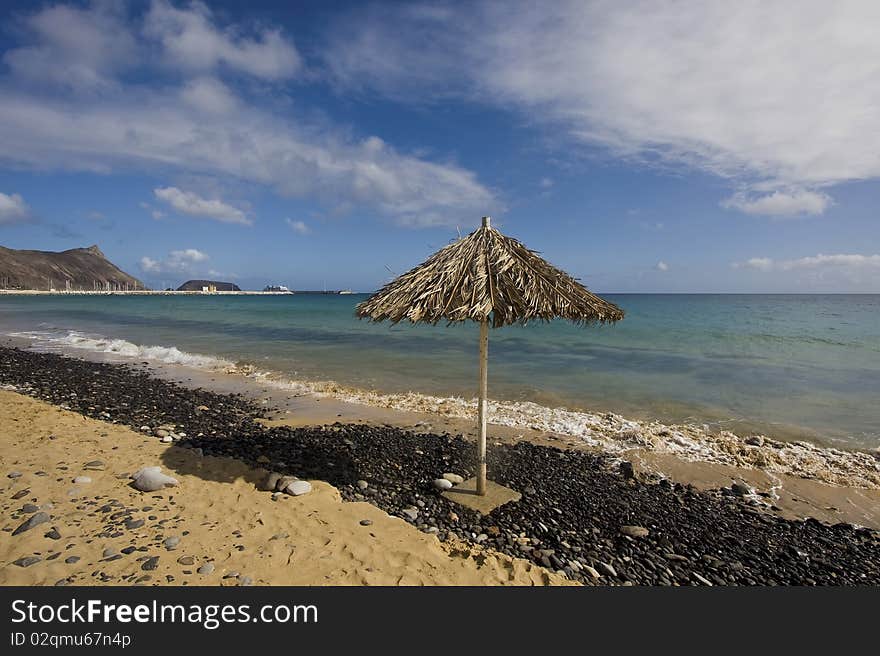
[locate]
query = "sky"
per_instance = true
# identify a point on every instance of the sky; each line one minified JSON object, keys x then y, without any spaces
{"x":642,"y":146}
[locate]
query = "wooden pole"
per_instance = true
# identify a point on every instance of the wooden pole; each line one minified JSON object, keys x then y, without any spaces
{"x":484,"y":388}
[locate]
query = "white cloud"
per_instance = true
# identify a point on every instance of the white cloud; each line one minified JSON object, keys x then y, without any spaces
{"x":546,"y":183}
{"x":200,"y":126}
{"x":77,"y":48}
{"x":193,"y":41}
{"x":298,"y":227}
{"x":13,"y":209}
{"x":179,"y":261}
{"x":816,"y":262}
{"x":772,"y":95}
{"x":661,"y":266}
{"x":187,"y":202}
{"x":780,"y":203}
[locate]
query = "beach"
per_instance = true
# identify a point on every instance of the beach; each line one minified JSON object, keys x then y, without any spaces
{"x":585,"y":517}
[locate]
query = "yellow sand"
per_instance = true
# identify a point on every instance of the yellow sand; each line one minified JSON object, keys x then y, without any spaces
{"x":314,"y":539}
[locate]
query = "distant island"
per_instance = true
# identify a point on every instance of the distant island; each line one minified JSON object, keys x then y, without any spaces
{"x":77,"y":269}
{"x":208,"y":286}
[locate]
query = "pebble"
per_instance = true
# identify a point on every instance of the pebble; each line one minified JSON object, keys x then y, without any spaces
{"x":82,"y":480}
{"x":412,"y":513}
{"x":172,"y":542}
{"x":109,"y":552}
{"x":206,"y":569}
{"x":591,"y":571}
{"x":442,"y":484}
{"x":455,"y":479}
{"x":362,"y":485}
{"x":53,"y":534}
{"x":605,"y":568}
{"x":34,"y":520}
{"x":741,"y":489}
{"x":70,"y":560}
{"x":298,"y":488}
{"x":94,"y":465}
{"x":186,"y":560}
{"x":131,"y":524}
{"x":150,"y":563}
{"x":366,"y":522}
{"x":29,"y":508}
{"x":635,"y":531}
{"x":27,"y":561}
{"x":151,"y":479}
{"x":21,"y":493}
{"x":15,"y":474}
{"x":701,"y":579}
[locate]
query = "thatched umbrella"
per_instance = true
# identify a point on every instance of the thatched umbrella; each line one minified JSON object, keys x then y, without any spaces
{"x":490,"y":278}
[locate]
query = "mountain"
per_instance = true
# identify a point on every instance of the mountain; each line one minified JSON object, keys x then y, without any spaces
{"x":82,"y":268}
{"x":198,"y":285}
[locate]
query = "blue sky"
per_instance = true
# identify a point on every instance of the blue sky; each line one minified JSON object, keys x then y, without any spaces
{"x":642,"y":146}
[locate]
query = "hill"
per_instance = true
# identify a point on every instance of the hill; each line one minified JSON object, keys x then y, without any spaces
{"x":78,"y":269}
{"x":198,"y":285}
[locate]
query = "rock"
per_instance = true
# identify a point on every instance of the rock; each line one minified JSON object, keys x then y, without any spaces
{"x":172,"y":542}
{"x":21,"y":493}
{"x":82,"y":480}
{"x":206,"y":569}
{"x":740,"y":489}
{"x":245,"y":581}
{"x":15,"y":474}
{"x":33,"y":520}
{"x":94,"y":465}
{"x":443,"y":484}
{"x":186,"y":560}
{"x":754,"y":440}
{"x":53,"y":534}
{"x":29,"y":508}
{"x":605,"y":568}
{"x":455,"y":479}
{"x":362,"y":485}
{"x":702,"y":580}
{"x":167,"y":439}
{"x":151,"y":479}
{"x":269,"y":482}
{"x":635,"y":531}
{"x":161,"y":432}
{"x":626,"y":470}
{"x":109,"y":552}
{"x":412,"y":513}
{"x":27,"y":561}
{"x":131,"y":524}
{"x":366,"y":522}
{"x":591,"y":571}
{"x":70,"y":560}
{"x":298,"y":488}
{"x":150,"y":563}
{"x":282,"y":483}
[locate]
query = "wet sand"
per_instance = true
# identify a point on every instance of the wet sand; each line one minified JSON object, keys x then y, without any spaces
{"x":216,"y":512}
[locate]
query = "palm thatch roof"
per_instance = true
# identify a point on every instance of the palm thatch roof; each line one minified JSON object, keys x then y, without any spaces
{"x":486,"y":275}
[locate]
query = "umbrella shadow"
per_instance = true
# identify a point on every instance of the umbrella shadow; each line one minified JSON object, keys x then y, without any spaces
{"x":250,"y":456}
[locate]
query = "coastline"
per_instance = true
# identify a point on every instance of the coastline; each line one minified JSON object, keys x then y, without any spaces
{"x":577,"y":509}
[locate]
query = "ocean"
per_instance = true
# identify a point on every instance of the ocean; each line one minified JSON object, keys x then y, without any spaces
{"x":788,"y":366}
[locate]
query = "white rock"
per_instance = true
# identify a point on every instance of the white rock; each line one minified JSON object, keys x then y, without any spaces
{"x":455,"y":479}
{"x":151,"y":479}
{"x":442,"y":484}
{"x":82,"y":480}
{"x":167,"y":439}
{"x":298,"y":488}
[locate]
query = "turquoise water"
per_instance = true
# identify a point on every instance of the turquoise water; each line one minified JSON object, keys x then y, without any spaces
{"x":788,"y":365}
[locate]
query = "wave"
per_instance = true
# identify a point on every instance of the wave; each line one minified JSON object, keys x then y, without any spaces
{"x":607,"y":432}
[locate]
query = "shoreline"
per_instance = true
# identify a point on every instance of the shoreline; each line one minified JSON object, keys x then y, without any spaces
{"x":576,"y":508}
{"x":776,"y":459}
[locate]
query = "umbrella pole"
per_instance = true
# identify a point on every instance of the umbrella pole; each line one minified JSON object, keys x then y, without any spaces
{"x":484,"y":386}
